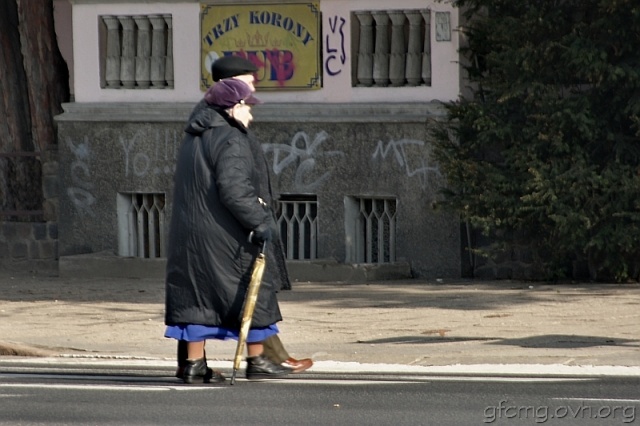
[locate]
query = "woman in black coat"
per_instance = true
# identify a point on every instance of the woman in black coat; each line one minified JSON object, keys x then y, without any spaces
{"x":217,"y":205}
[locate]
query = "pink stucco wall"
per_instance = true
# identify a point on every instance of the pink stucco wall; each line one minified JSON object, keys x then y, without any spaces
{"x":84,"y":55}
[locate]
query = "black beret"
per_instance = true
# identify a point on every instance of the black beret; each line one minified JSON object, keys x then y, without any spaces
{"x":231,"y":66}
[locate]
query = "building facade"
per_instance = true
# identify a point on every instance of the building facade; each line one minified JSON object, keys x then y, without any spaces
{"x":352,"y":90}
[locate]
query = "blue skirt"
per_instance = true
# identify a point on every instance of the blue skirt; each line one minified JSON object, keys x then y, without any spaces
{"x":199,"y":333}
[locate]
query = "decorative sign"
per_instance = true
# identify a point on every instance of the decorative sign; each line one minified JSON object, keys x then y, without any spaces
{"x":283,"y":40}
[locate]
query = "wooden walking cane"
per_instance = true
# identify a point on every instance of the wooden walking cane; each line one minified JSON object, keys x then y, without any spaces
{"x":249,"y":306}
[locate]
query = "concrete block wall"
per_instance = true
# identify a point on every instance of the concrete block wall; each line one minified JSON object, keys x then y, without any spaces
{"x":333,"y":151}
{"x":33,"y":246}
{"x":29,"y":246}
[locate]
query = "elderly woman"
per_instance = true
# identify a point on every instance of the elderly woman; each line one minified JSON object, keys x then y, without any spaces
{"x":216,"y":206}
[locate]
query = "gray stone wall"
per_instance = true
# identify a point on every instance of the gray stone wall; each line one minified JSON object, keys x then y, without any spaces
{"x":332,"y":151}
{"x":29,"y":246}
{"x":33,"y":246}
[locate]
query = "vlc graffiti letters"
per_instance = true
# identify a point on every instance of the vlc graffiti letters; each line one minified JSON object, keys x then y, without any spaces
{"x":336,"y":32}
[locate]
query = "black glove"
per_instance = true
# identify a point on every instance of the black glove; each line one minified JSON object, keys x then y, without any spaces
{"x":261,"y":234}
{"x":265,"y":232}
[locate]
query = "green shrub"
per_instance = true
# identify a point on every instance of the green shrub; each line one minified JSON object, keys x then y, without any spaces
{"x":548,"y":147}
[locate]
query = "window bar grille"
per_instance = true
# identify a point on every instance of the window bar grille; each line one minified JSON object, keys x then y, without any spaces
{"x":146,"y":224}
{"x":159,"y":225}
{"x":377,"y":223}
{"x":297,"y":221}
{"x":131,"y":227}
{"x":142,"y":218}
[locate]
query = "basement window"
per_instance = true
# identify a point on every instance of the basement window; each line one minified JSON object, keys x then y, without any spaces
{"x":141,"y":225}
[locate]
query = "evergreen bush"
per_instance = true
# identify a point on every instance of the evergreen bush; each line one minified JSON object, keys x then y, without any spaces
{"x":547,"y":148}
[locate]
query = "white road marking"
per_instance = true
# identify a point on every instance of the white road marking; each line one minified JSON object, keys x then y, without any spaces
{"x":335,"y":367}
{"x":508,"y":379}
{"x":340,"y":382}
{"x":122,"y":387}
{"x":165,"y":383}
{"x":631,"y":401}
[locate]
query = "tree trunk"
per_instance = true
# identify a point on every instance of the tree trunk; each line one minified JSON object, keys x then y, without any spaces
{"x":34,"y":80}
{"x":46,"y":72}
{"x":15,"y":130}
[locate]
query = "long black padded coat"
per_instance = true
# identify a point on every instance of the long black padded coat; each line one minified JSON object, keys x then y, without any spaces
{"x":220,"y":175}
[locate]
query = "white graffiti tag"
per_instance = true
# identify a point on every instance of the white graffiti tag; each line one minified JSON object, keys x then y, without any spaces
{"x":399,"y":148}
{"x":142,"y":161}
{"x":305,"y":154}
{"x":79,"y":191}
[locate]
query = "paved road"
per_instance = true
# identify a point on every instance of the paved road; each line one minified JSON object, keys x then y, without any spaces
{"x":150,"y":398}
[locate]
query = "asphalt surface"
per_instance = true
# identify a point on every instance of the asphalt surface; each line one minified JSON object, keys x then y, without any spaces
{"x":28,"y":399}
{"x":457,"y":327}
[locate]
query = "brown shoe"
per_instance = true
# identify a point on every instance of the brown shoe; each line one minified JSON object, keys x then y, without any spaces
{"x":298,"y":365}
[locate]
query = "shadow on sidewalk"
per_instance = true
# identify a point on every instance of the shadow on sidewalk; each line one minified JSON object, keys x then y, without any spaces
{"x":22,"y":288}
{"x":468,"y":295}
{"x":457,"y":295}
{"x":549,"y":341}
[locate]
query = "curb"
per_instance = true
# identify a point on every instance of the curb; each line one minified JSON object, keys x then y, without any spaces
{"x":160,"y":366}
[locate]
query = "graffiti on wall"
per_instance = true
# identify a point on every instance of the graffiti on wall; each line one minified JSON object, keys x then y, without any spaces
{"x":336,"y":55}
{"x":409,"y":155}
{"x":138,"y":159}
{"x":303,"y":154}
{"x":80,"y":190}
{"x":141,"y":162}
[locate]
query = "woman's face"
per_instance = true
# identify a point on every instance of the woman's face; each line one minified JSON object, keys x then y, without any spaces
{"x":242,"y":113}
{"x":247,"y":78}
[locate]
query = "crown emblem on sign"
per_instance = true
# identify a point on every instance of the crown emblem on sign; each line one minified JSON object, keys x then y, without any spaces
{"x":275,"y":43}
{"x":257,"y":39}
{"x":239,"y":43}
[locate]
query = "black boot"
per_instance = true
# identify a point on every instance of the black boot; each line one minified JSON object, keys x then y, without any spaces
{"x":260,"y":367}
{"x":198,"y":372}
{"x":182,"y":358}
{"x":216,"y":376}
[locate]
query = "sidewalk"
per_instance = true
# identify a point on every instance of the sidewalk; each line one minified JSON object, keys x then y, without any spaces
{"x":403,"y":323}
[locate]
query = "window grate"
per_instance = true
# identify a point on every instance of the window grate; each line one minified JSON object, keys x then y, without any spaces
{"x":297,"y":222}
{"x":374,"y":233}
{"x":141,"y":228}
